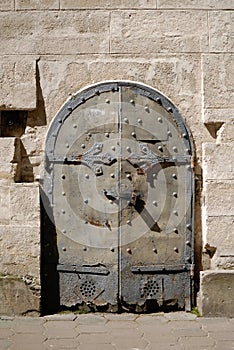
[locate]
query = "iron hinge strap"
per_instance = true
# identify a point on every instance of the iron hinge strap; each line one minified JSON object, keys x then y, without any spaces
{"x":160,"y":268}
{"x":95,"y":270}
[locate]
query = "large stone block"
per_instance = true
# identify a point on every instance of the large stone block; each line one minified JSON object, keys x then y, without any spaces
{"x":10,"y":158}
{"x":217,"y":115}
{"x":159,"y":31}
{"x":218,"y":81}
{"x":9,"y":149}
{"x":25,"y":204}
{"x":221,"y":31}
{"x":218,"y":161}
{"x":216,"y":296}
{"x":106,"y":4}
{"x":4,"y":205}
{"x":54,"y":32}
{"x":37,"y":5}
{"x":6,"y":5}
{"x":195,"y":4}
{"x":20,"y":251}
{"x":17,"y":75}
{"x":17,"y":298}
{"x":219,"y":198}
{"x":226,"y":133}
{"x":219,"y":234}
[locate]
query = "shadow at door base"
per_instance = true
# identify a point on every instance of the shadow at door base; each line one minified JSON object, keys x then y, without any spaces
{"x":150,"y":306}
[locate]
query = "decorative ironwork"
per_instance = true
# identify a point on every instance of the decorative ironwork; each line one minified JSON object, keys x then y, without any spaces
{"x":93,"y":158}
{"x":147,"y":159}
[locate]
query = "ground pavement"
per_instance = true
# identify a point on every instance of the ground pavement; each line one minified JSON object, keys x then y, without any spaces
{"x":176,"y":331}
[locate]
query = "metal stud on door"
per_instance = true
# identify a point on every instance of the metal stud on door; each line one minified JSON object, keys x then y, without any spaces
{"x":119,"y":179}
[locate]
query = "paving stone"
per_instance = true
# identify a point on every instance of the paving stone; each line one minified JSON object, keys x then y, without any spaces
{"x":222,"y":335}
{"x":178,"y":316}
{"x":94,"y":338}
{"x":128,"y":332}
{"x":91,"y":328}
{"x":31,"y":339}
{"x":185,"y":325}
{"x":5,"y":344}
{"x":165,"y":339}
{"x":130,"y":343}
{"x":149,"y":319}
{"x":121,"y":317}
{"x":189,"y":333}
{"x":225,"y":345}
{"x":98,"y":347}
{"x":60,"y":329}
{"x":155,"y":330}
{"x":121,"y":324}
{"x":216,"y":325}
{"x":91,"y":319}
{"x":5,"y":333}
{"x":27,"y":328}
{"x":61,"y":343}
{"x":61,"y":317}
{"x":197,"y":341}
{"x":27,"y":346}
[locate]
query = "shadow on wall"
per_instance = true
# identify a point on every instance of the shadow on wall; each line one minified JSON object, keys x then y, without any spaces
{"x":49,"y":260}
{"x":37,"y":117}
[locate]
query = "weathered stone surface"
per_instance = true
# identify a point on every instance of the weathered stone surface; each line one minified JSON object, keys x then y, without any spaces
{"x":107,"y":4}
{"x":33,"y":140}
{"x":220,"y":232}
{"x":214,"y":115}
{"x":37,"y":5}
{"x":218,"y":161}
{"x":196,"y":4}
{"x":17,"y":77}
{"x":178,"y":31}
{"x":219,"y":198}
{"x":226,"y":133}
{"x":10,"y":158}
{"x":25,"y":206}
{"x":6,"y":5}
{"x":221,"y":31}
{"x":218,"y":81}
{"x":17,"y":298}
{"x":9,"y":150}
{"x":20,"y":251}
{"x":216,"y":296}
{"x":54,"y":32}
{"x":4,"y":205}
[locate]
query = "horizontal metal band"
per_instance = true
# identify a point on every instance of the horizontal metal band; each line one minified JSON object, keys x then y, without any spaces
{"x":94,"y":270}
{"x":78,"y":159}
{"x":160,"y":268}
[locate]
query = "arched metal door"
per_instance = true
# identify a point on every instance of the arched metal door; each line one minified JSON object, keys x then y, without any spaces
{"x":120,"y":184}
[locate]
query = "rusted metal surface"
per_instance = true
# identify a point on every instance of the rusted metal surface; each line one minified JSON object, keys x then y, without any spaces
{"x":120,"y":182}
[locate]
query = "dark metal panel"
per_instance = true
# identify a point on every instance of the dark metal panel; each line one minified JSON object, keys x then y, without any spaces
{"x":156,"y":236}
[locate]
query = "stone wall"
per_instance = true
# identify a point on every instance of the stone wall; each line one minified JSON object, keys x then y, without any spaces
{"x":49,"y":49}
